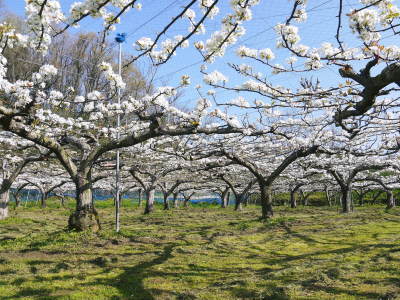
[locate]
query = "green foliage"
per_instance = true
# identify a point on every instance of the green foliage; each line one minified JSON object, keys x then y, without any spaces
{"x":203,"y":253}
{"x":279,"y":221}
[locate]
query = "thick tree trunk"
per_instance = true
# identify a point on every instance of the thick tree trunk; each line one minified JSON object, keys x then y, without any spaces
{"x":266,"y":201}
{"x":390,"y":200}
{"x":224,"y":198}
{"x":293,"y":202}
{"x":346,"y":200}
{"x":246,"y":199}
{"x":175,"y":200}
{"x":4,"y":198}
{"x":238,"y":202}
{"x":43,"y":199}
{"x":186,"y":202}
{"x":166,"y":202}
{"x":149,"y":201}
{"x":85,"y":216}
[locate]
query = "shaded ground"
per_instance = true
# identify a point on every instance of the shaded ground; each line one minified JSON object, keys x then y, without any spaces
{"x":203,"y":253}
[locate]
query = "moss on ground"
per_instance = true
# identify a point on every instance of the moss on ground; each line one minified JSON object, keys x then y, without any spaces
{"x":203,"y":253}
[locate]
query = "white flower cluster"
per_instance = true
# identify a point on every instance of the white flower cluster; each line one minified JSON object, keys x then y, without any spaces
{"x":46,"y":73}
{"x":300,"y":15}
{"x":288,"y":33}
{"x":190,"y":14}
{"x":240,"y":101}
{"x":114,"y":79}
{"x":363,"y":23}
{"x":230,"y":31}
{"x":95,"y":96}
{"x":243,"y":51}
{"x":3,"y":67}
{"x":301,"y":50}
{"x":185,"y":80}
{"x":41,"y":25}
{"x":206,"y":4}
{"x":314,"y":61}
{"x":168,"y":46}
{"x":10,"y":38}
{"x":391,"y":52}
{"x":266,"y":54}
{"x":215,"y":77}
{"x":230,"y":120}
{"x":79,"y":99}
{"x":56,"y":98}
{"x":18,"y":92}
{"x":144,"y":43}
{"x":276,"y":91}
{"x":201,"y":107}
{"x":97,"y":9}
{"x":327,"y":50}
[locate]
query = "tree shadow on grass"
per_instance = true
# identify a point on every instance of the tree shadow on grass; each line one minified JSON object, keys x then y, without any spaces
{"x":38,"y":293}
{"x":131,"y":282}
{"x":315,"y":286}
{"x":38,"y":245}
{"x":286,"y":258}
{"x":303,"y":237}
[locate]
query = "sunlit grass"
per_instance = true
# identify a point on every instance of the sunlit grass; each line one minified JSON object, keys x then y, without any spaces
{"x":202,"y":253}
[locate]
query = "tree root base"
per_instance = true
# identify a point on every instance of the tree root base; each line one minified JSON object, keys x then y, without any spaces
{"x":84,"y":220}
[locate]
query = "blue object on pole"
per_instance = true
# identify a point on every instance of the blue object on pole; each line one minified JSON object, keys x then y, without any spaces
{"x":120,"y":38}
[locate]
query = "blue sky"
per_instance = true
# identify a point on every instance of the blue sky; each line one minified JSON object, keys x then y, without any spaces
{"x":320,"y":27}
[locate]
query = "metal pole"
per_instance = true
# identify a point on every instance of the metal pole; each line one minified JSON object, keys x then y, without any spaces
{"x":117,"y":171}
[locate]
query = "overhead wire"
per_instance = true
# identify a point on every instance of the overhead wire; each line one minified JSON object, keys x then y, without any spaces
{"x":114,"y":44}
{"x":160,"y":12}
{"x":313,"y":9}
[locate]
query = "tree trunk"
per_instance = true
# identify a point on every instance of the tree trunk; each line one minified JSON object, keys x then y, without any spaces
{"x":293,"y":202}
{"x":361,"y":198}
{"x":85,"y":216}
{"x":266,"y":201}
{"x":186,"y":202}
{"x":62,"y":200}
{"x":390,"y":200}
{"x":149,"y":201}
{"x":224,"y":198}
{"x":166,"y":202}
{"x":246,"y":199}
{"x":346,"y":200}
{"x":304,"y":197}
{"x":175,"y":201}
{"x":43,"y":199}
{"x":328,"y":197}
{"x":4,"y":198}
{"x":376,"y":197}
{"x":238,"y":202}
{"x":17,"y":200}
{"x":140,"y":197}
{"x":43,"y":203}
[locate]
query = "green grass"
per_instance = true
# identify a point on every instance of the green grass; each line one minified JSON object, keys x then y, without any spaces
{"x":203,"y":253}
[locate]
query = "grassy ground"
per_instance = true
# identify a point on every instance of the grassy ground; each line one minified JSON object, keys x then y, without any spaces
{"x":203,"y":253}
